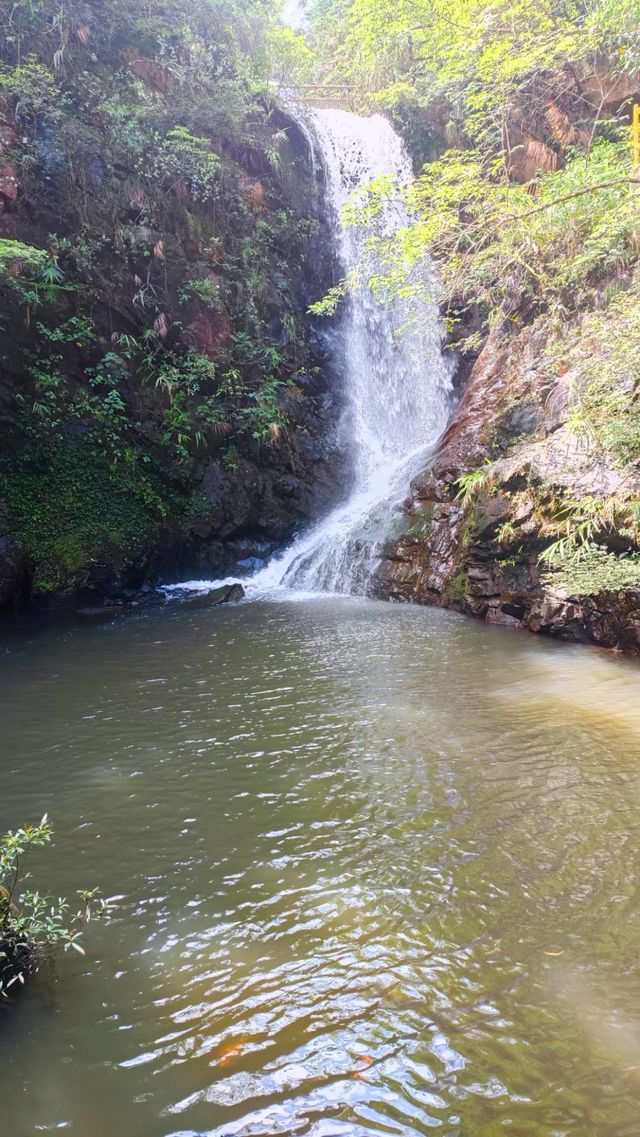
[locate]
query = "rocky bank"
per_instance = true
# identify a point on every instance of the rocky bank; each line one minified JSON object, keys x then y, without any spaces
{"x":475,"y":543}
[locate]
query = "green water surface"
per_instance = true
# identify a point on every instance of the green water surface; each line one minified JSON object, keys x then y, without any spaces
{"x":378,"y":872}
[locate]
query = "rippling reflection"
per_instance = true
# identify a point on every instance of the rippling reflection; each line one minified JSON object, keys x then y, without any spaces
{"x":378,"y":868}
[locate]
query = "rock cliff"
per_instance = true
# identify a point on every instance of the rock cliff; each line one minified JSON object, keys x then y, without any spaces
{"x":165,"y":404}
{"x":520,"y":465}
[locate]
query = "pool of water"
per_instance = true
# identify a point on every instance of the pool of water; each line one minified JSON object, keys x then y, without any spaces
{"x":378,"y":870}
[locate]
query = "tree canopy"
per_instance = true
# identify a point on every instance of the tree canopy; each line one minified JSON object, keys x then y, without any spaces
{"x":504,"y":101}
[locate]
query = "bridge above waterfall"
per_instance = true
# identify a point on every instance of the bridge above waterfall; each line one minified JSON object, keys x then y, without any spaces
{"x":340,"y":96}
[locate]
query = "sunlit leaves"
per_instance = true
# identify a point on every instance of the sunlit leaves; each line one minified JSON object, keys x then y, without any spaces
{"x":16,"y":257}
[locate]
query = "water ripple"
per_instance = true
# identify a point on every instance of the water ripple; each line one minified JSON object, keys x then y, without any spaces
{"x":379,"y":873}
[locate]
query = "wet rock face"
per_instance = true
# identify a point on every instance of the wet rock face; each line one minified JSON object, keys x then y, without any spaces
{"x":479,"y":553}
{"x":209,"y":332}
{"x":13,"y":573}
{"x":247,"y":513}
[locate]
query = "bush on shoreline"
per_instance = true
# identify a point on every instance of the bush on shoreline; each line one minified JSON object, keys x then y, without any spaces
{"x":31,"y":922}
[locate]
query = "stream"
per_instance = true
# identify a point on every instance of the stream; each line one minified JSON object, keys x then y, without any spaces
{"x":377,"y":870}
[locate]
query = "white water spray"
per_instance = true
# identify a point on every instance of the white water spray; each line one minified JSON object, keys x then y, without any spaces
{"x":397,"y":385}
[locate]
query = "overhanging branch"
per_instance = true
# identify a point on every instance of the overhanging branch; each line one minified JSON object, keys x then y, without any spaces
{"x":570,"y":197}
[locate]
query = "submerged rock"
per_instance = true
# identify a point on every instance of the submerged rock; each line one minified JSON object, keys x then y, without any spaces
{"x":102,"y":612}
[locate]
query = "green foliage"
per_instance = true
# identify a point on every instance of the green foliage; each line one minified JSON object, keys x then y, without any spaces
{"x":457,"y":586}
{"x":494,"y":79}
{"x":329,"y":303}
{"x":578,"y":522}
{"x":265,"y":417}
{"x":605,"y":355}
{"x":43,"y":286}
{"x":16,"y":257}
{"x":73,"y":509}
{"x":506,"y":534}
{"x":597,"y":570}
{"x":497,"y":249}
{"x":292,"y":61}
{"x":31,"y":922}
{"x":183,"y":155}
{"x":230,"y":457}
{"x":579,"y":525}
{"x":77,"y":330}
{"x":33,"y":86}
{"x":205,"y":290}
{"x":472,"y":484}
{"x":475,"y":54}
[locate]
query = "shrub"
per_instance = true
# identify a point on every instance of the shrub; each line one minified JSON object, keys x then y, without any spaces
{"x":606,"y":356}
{"x":31,"y":922}
{"x":598,"y":570}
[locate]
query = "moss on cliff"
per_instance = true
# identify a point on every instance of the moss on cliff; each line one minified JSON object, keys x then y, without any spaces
{"x":80,"y":517}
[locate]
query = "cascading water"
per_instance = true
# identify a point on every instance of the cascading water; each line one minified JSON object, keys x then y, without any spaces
{"x":397,"y":382}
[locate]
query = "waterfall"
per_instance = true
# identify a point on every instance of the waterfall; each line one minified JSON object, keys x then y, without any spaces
{"x":397,"y":384}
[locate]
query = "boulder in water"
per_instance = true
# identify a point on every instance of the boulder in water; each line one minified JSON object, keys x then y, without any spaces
{"x":225,"y":594}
